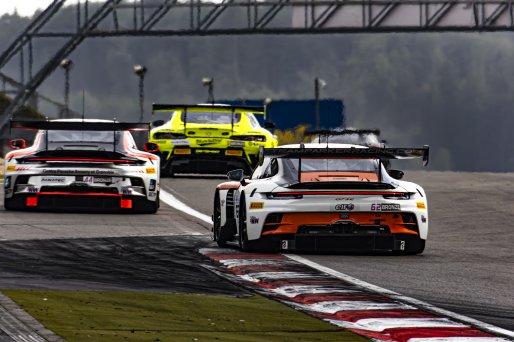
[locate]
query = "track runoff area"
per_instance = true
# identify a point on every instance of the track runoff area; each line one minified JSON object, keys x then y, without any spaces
{"x":363,"y":308}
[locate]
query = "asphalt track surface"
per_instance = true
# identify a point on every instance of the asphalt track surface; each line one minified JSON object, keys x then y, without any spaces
{"x":467,"y":266}
{"x":468,"y":263}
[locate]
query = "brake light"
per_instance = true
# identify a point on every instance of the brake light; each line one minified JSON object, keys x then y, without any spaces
{"x":284,"y":196}
{"x":168,"y":135}
{"x":259,"y":138}
{"x":398,"y":196}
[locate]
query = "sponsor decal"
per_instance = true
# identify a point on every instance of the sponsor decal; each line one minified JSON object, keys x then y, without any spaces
{"x":385,"y":207}
{"x":254,"y":220}
{"x":91,"y":179}
{"x":208,"y":151}
{"x":11,"y":168}
{"x":237,"y":143}
{"x":284,"y":244}
{"x":205,"y":142}
{"x":344,"y":199}
{"x":180,"y":142}
{"x":79,"y":172}
{"x":55,"y":180}
{"x":423,"y":219}
{"x":421,"y":205}
{"x":150,"y":170}
{"x":152,"y":194}
{"x":344,"y":215}
{"x":256,"y":205}
{"x":345,"y":207}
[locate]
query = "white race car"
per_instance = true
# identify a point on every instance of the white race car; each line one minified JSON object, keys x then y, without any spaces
{"x":81,"y":165}
{"x":328,"y":198}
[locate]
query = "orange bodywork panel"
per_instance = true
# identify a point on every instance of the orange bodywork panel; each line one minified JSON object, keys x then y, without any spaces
{"x":228,"y":185}
{"x":291,"y":221}
{"x":338,"y":176}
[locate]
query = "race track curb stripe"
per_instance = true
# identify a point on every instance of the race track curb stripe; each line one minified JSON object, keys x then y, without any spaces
{"x":365,"y":309}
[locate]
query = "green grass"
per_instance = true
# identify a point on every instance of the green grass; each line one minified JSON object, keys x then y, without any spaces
{"x":129,"y":316}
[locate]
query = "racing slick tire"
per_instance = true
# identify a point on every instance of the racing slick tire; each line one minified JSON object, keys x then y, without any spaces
{"x":244,"y":244}
{"x":221,"y":234}
{"x":144,"y":206}
{"x":14,"y":203}
{"x":413,"y":246}
{"x":259,"y":245}
{"x":167,"y":170}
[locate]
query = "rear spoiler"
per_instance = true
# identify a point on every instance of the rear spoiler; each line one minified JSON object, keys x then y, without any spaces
{"x":328,"y":132}
{"x":157,"y":107}
{"x":220,"y":108}
{"x":372,"y":152}
{"x":80,"y":126}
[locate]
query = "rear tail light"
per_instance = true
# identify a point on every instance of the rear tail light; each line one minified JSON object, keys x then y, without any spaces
{"x":31,"y":202}
{"x":259,"y":138}
{"x":126,"y":203}
{"x":284,"y":196}
{"x":398,"y":196}
{"x":168,"y":135}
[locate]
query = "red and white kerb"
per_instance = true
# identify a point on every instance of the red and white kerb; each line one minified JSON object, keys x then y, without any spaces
{"x":342,"y":303}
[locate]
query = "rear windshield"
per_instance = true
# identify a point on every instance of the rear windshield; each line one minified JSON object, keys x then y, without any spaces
{"x":82,"y":140}
{"x":326,"y":170}
{"x":210,"y":117}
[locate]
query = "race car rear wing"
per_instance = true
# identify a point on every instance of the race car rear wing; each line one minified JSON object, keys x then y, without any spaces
{"x":157,"y":107}
{"x":215,"y":108}
{"x":80,"y":126}
{"x":372,"y":152}
{"x":326,"y":132}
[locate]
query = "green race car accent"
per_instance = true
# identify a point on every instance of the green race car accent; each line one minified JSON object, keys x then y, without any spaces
{"x":209,"y":138}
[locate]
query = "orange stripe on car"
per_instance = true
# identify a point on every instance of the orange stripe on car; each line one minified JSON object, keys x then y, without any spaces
{"x":290,"y":222}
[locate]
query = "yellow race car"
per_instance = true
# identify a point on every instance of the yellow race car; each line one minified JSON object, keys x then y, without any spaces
{"x":209,"y":138}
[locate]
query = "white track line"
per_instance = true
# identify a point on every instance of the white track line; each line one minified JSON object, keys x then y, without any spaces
{"x":484,"y":326}
{"x":172,"y":201}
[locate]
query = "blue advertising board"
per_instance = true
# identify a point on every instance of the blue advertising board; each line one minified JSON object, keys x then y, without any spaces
{"x":286,"y":114}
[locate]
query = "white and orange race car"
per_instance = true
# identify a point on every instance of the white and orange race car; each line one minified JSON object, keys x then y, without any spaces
{"x":78,"y":164}
{"x":324,"y":197}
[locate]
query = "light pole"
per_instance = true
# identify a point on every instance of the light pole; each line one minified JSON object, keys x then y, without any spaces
{"x":267,"y":104}
{"x":318,"y":83}
{"x":209,"y":82}
{"x":140,"y":71}
{"x":66,"y":64}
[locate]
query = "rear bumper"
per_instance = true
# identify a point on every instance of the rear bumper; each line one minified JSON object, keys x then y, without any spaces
{"x":330,"y":243}
{"x":78,"y":202}
{"x":199,"y":163}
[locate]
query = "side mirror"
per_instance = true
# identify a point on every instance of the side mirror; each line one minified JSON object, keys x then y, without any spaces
{"x":17,"y":144}
{"x":396,"y":174}
{"x":236,"y":175}
{"x":157,"y":123}
{"x":269,"y":125}
{"x":151,"y":147}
